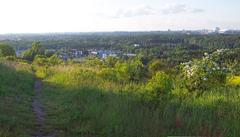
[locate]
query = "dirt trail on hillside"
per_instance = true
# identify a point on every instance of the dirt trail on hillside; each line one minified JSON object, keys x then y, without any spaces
{"x":39,"y":111}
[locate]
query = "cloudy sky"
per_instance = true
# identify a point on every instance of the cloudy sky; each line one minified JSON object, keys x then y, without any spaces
{"x":33,"y":16}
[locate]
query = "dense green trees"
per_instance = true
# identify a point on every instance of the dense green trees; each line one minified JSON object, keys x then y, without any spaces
{"x":6,"y":50}
{"x":173,"y":48}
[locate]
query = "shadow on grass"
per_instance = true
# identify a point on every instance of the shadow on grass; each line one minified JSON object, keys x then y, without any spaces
{"x":16,"y":91}
{"x":89,"y":111}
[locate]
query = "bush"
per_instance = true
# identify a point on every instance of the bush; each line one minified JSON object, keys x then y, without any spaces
{"x":110,"y":61}
{"x":93,"y":61}
{"x":132,"y":70}
{"x":155,"y":65}
{"x":234,"y":68}
{"x":234,"y":81}
{"x":204,"y":73}
{"x":160,"y":84}
{"x":40,"y":60}
{"x":10,"y":58}
{"x":6,"y":50}
{"x":54,"y":60}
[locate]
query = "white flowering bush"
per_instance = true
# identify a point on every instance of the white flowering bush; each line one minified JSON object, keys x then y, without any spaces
{"x":205,"y":73}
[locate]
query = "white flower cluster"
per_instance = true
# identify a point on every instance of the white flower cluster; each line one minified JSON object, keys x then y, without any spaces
{"x":189,"y":68}
{"x":205,"y":67}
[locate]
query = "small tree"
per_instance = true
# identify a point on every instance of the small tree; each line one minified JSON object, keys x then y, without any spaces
{"x":54,"y":60}
{"x":6,"y":50}
{"x":36,"y":49}
{"x":40,"y":60}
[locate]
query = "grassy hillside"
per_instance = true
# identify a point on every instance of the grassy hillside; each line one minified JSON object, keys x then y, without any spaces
{"x":117,"y":97}
{"x":16,"y":90}
{"x":80,"y":102}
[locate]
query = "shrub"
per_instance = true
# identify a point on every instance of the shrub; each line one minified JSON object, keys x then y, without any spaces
{"x":54,"y":60}
{"x":160,"y":84}
{"x":110,"y":61}
{"x":155,"y":65}
{"x":204,"y":73}
{"x":234,"y":81}
{"x":133,"y":70}
{"x":93,"y":61}
{"x":6,"y":50}
{"x":234,"y":68}
{"x":10,"y":58}
{"x":40,"y":60}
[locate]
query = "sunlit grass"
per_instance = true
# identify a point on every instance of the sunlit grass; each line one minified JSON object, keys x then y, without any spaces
{"x":80,"y":102}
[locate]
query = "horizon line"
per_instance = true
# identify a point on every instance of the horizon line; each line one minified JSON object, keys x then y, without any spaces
{"x":116,"y":31}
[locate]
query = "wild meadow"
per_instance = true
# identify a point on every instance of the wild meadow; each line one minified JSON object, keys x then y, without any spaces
{"x":121,"y":97}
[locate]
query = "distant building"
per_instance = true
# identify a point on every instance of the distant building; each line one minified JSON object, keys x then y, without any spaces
{"x":130,"y":55}
{"x":76,"y":53}
{"x":217,"y":30}
{"x":136,"y":45}
{"x":63,"y":56}
{"x":94,"y":52}
{"x":107,"y":53}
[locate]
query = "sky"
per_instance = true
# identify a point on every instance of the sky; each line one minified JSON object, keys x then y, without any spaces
{"x":41,"y":16}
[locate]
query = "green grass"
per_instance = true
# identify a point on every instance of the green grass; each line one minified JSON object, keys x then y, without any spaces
{"x":79,"y":103}
{"x":91,"y":111}
{"x":16,"y":90}
{"x":215,"y":113}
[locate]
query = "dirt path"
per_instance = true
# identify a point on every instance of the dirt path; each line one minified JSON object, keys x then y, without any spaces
{"x":39,"y":111}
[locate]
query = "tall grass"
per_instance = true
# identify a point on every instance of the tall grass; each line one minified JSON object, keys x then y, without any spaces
{"x":16,"y":90}
{"x":81,"y":103}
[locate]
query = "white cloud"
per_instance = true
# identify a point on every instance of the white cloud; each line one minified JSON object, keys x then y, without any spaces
{"x":197,"y":10}
{"x":174,"y":8}
{"x":140,"y":10}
